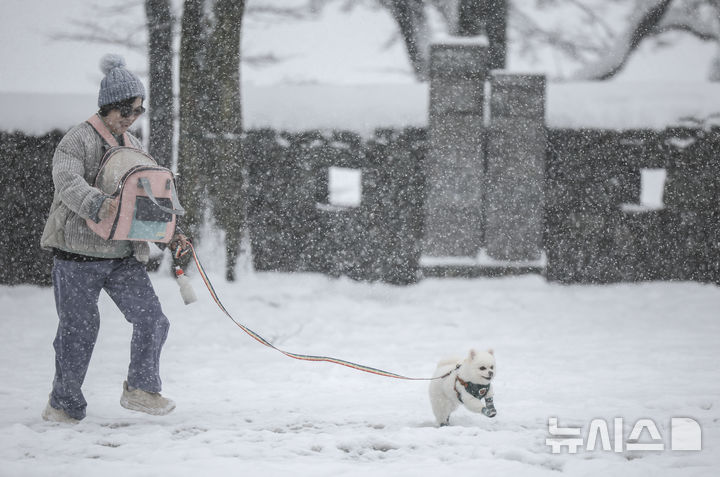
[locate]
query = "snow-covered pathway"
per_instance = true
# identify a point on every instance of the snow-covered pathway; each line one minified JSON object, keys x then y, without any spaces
{"x":577,"y":353}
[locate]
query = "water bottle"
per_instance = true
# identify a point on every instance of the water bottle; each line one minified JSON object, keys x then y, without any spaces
{"x":186,"y":290}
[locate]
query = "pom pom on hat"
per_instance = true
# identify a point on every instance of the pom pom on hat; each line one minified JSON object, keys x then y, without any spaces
{"x":111,"y":61}
{"x":119,"y":83}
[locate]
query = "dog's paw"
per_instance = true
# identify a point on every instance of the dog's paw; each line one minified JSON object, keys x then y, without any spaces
{"x":489,"y":411}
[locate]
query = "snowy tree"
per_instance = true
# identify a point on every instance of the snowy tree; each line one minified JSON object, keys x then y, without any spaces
{"x":192,"y":160}
{"x":412,"y":21}
{"x":595,"y":38}
{"x":603,"y":34}
{"x":209,"y":155}
{"x":652,"y":18}
{"x":589,"y":38}
{"x":489,"y":18}
{"x":225,"y":125}
{"x":462,"y":17}
{"x":160,"y":59}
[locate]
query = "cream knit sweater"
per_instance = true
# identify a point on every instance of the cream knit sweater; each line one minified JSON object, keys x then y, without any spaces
{"x":75,"y":164}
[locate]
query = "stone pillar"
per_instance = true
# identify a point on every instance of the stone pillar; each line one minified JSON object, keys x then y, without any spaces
{"x":454,"y":163}
{"x":515,"y":173}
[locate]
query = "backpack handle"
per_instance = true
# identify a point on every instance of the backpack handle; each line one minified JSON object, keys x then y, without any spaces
{"x":177,"y":209}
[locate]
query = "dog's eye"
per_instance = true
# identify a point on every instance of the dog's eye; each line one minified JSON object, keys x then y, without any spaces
{"x":492,"y":367}
{"x":482,"y":368}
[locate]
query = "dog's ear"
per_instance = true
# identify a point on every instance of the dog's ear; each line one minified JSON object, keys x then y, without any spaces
{"x":491,"y":351}
{"x":473,"y":353}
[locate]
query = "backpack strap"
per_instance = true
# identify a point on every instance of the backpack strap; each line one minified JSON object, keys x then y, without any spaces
{"x":97,"y":123}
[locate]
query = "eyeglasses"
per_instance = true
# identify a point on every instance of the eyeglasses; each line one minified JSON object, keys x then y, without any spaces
{"x":127,"y":110}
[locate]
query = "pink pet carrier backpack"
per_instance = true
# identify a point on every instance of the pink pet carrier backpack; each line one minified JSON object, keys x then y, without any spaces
{"x":148,"y":204}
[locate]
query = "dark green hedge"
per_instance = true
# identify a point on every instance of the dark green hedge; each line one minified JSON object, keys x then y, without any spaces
{"x":293,"y":229}
{"x":590,"y":174}
{"x":26,"y":191}
{"x":589,"y":238}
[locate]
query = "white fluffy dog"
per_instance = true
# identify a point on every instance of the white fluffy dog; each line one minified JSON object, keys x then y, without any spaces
{"x":466,"y":382}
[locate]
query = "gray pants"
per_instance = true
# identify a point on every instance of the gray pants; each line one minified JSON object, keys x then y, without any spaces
{"x":77,"y":288}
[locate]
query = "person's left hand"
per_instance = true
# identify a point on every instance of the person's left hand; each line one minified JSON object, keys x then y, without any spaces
{"x":181,"y":240}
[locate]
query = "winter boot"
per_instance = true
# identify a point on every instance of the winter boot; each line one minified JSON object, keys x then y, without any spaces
{"x":51,"y":414}
{"x":150,"y":403}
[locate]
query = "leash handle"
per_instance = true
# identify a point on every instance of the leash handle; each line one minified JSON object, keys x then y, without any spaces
{"x":302,"y":357}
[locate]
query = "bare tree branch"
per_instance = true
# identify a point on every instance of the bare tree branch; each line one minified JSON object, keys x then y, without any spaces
{"x":644,"y":18}
{"x":124,"y":24}
{"x":133,"y":38}
{"x":412,"y":22}
{"x":261,"y":60}
{"x":697,"y":17}
{"x":531,"y":37}
{"x":594,"y":18}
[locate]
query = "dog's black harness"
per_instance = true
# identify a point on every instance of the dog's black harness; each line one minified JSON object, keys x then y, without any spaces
{"x":478,"y":391}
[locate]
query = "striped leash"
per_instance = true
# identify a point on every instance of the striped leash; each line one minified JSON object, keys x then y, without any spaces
{"x":263,"y":341}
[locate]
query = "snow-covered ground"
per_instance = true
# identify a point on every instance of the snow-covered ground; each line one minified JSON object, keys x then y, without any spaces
{"x":576,"y":353}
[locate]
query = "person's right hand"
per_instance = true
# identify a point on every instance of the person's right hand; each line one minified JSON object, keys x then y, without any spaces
{"x":108,"y":209}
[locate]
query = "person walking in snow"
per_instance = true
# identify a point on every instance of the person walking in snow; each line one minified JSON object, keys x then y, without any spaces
{"x":84,"y":263}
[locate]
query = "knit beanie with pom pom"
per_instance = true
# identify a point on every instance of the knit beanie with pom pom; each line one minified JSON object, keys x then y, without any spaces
{"x":119,"y":83}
